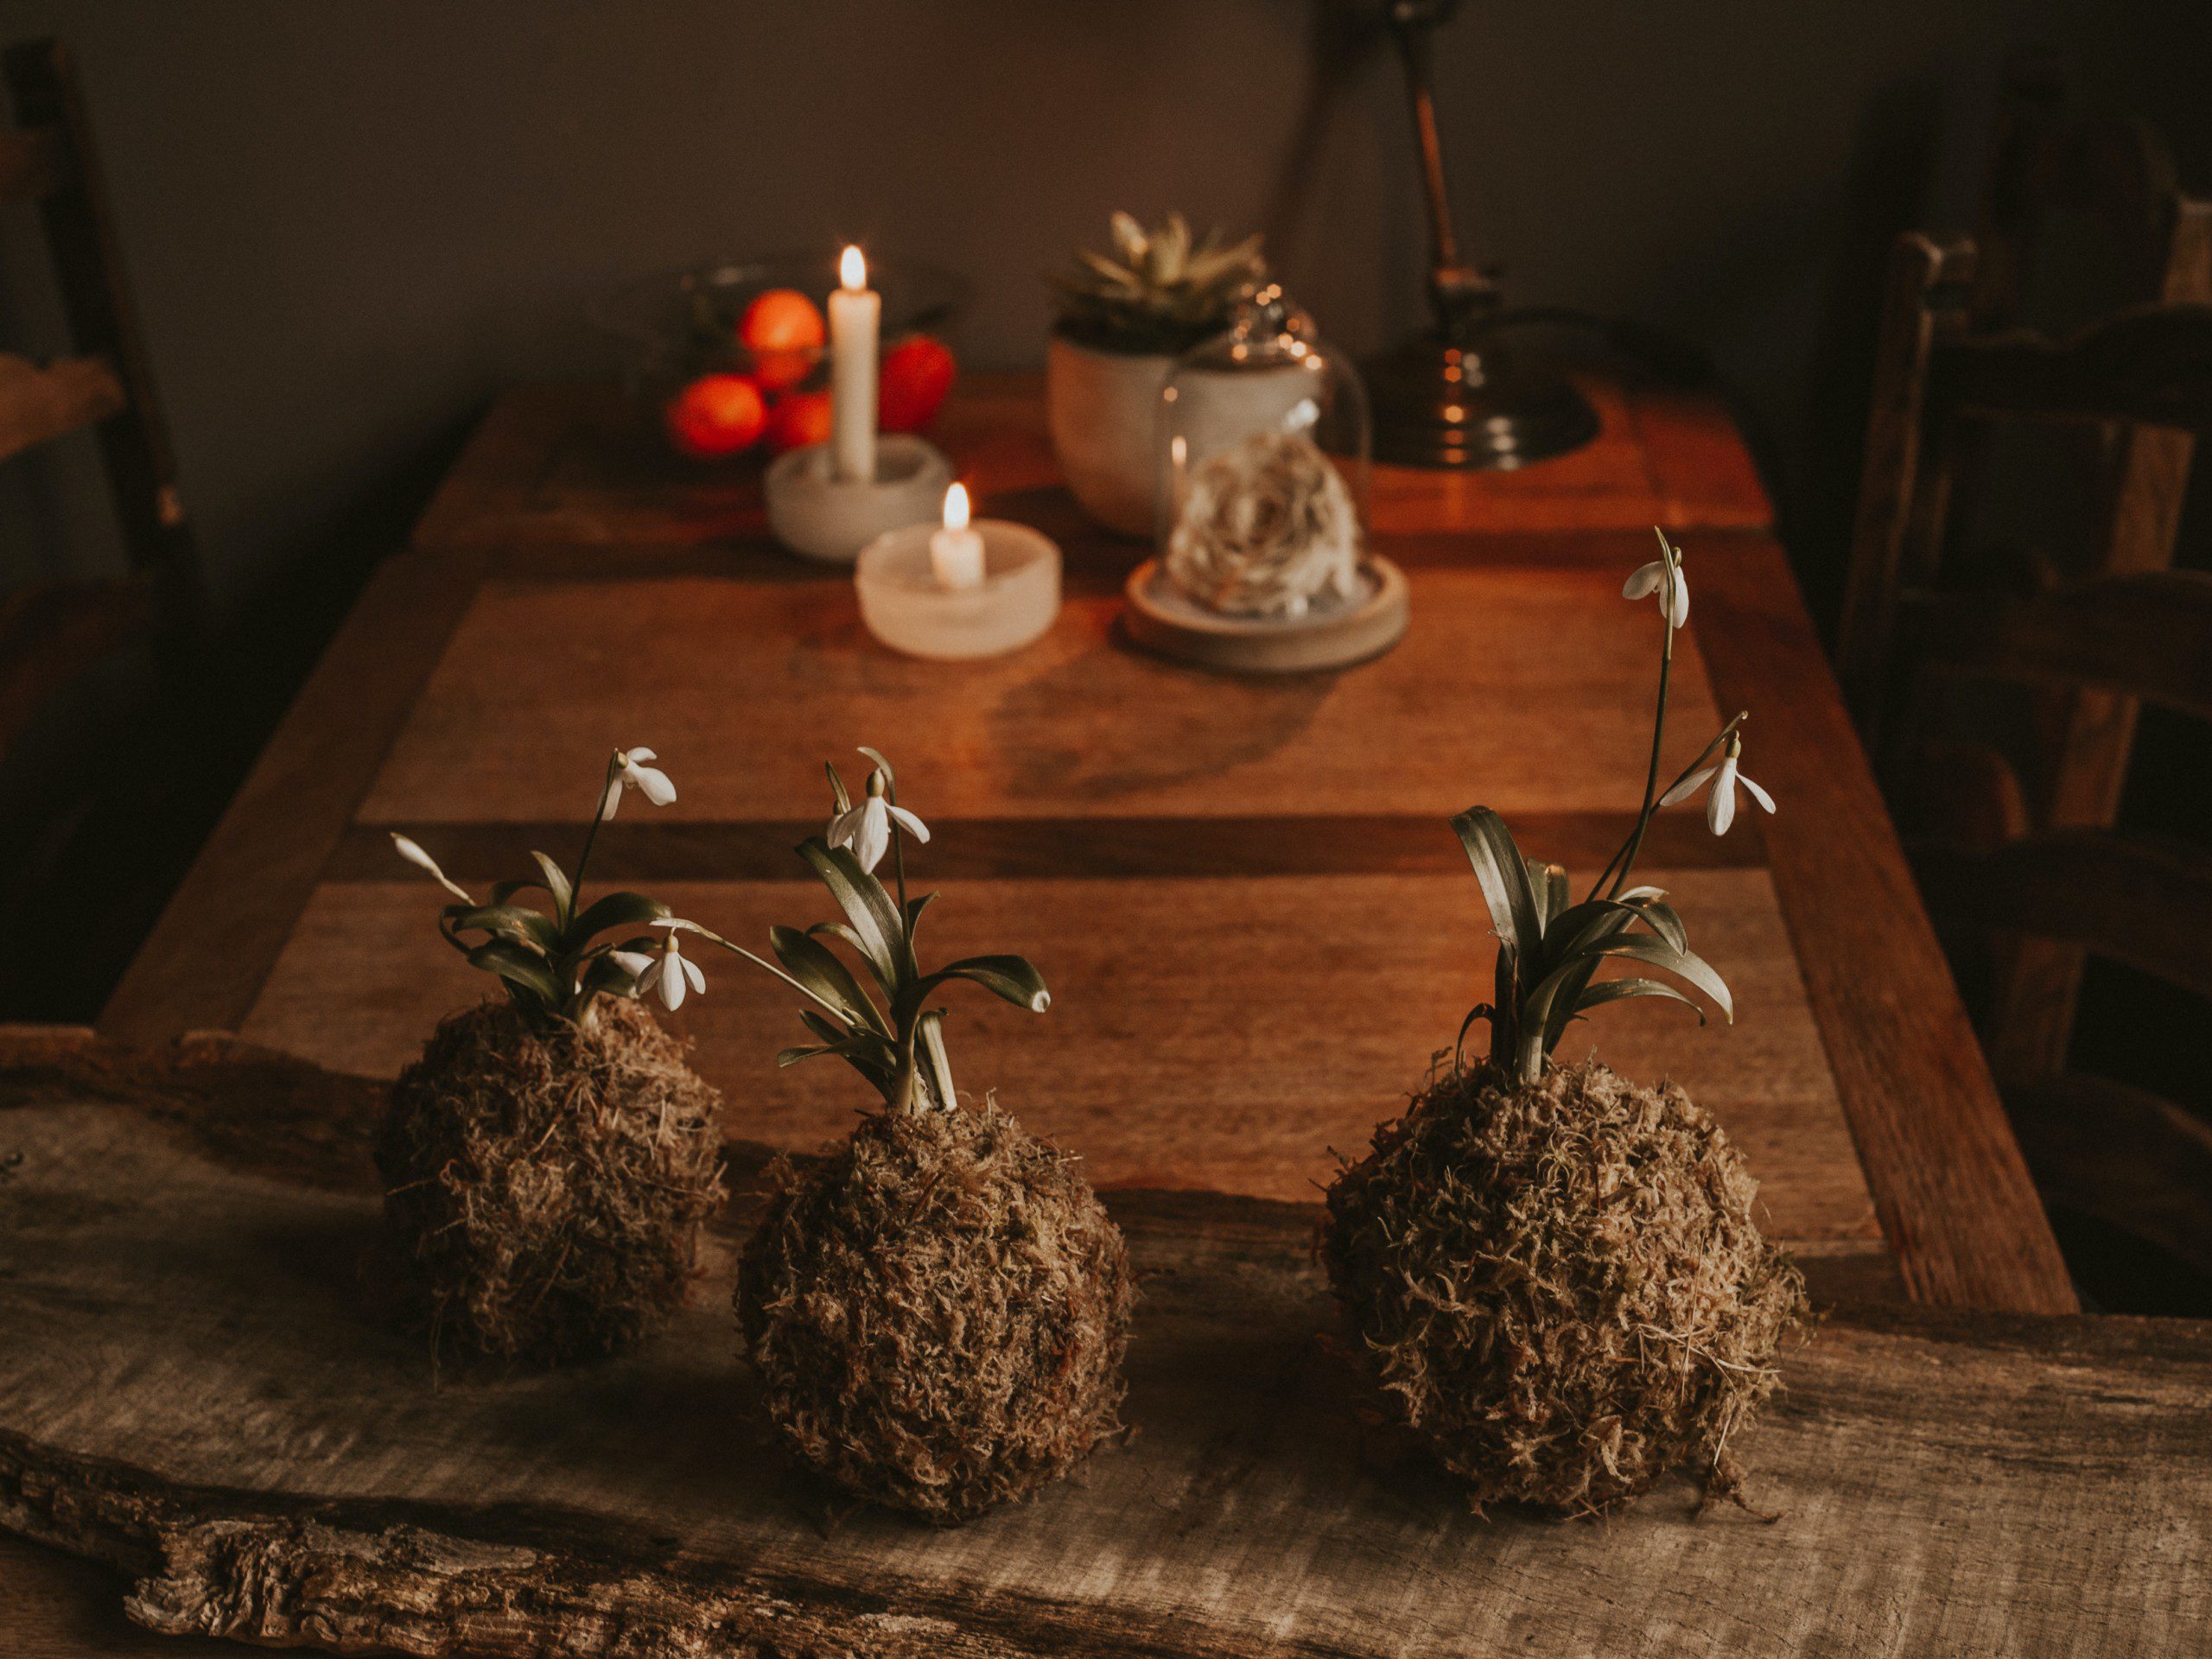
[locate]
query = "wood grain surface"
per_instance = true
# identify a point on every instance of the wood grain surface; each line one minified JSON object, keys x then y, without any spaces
{"x":580,"y":466}
{"x":1526,"y":686}
{"x":1210,"y":1033}
{"x":203,"y":1398}
{"x":592,"y":597}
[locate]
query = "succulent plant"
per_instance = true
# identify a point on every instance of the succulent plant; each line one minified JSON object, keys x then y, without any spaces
{"x":1160,"y":291}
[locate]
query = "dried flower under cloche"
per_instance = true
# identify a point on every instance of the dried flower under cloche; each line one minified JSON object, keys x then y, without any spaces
{"x":938,"y":1305}
{"x":1556,"y":1272}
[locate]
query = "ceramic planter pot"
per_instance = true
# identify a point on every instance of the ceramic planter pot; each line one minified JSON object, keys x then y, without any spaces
{"x":1103,"y":408}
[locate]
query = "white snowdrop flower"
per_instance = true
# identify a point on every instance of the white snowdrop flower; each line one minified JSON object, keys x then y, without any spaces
{"x":631,"y":772}
{"x":632,"y":963}
{"x":669,"y":974}
{"x":422,"y":861}
{"x":1720,"y":805}
{"x":1649,"y":578}
{"x":867,"y":827}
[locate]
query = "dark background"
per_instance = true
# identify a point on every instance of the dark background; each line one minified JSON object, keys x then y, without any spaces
{"x":349,"y":226}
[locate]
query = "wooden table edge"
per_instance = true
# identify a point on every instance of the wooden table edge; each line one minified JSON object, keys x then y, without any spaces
{"x":1917,"y":1090}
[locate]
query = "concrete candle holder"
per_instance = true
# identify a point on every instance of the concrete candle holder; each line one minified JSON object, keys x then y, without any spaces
{"x":815,"y":514}
{"x":909,"y":609}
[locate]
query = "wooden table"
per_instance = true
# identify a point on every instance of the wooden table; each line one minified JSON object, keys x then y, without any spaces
{"x":1256,"y":922}
{"x":1257,"y":925}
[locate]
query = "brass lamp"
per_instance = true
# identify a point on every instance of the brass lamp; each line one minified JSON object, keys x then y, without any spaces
{"x":1454,"y":395}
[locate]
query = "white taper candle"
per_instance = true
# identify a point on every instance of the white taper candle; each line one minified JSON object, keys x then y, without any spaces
{"x":856,"y":316}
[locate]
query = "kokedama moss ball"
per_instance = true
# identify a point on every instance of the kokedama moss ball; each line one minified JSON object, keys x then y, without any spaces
{"x":938,"y":1310}
{"x":1561,"y":1285}
{"x":543,"y":1189}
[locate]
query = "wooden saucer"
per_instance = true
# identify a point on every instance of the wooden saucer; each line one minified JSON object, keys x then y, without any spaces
{"x":1161,"y":617}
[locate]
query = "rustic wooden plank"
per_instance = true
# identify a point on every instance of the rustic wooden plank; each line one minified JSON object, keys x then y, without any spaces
{"x":207,"y":957}
{"x":1526,"y":686}
{"x":1955,"y":1200}
{"x":1222,"y":1033}
{"x":202,"y":1401}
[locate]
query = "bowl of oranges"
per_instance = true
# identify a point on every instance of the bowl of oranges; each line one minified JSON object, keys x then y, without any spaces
{"x":733,"y":359}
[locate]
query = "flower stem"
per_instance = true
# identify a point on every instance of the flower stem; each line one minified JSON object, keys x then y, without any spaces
{"x":598,"y":816}
{"x":1625,"y":858}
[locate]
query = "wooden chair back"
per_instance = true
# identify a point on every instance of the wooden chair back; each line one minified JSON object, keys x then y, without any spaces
{"x":49,"y":631}
{"x":1954,"y":362}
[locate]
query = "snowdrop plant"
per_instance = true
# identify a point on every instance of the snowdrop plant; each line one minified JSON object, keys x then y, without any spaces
{"x":1551,"y":949}
{"x":555,"y":963}
{"x":884,"y":1028}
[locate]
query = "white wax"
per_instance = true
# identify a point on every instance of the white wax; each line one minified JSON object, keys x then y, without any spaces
{"x":854,"y":315}
{"x":957,"y":556}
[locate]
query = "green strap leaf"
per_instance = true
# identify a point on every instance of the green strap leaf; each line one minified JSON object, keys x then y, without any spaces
{"x":1567,"y":988}
{"x":876,"y":933}
{"x":524,"y":926}
{"x":1011,"y":977}
{"x":814,"y":966}
{"x":937,"y":1065}
{"x":914,"y":909}
{"x":518,"y":967}
{"x":1504,"y":877}
{"x":615,"y":910}
{"x":843,"y":802}
{"x":1617,"y":991}
{"x":556,"y":883}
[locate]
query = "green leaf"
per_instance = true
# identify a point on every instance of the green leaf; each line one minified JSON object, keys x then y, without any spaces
{"x":841,"y":801}
{"x":839,"y":931}
{"x":938,"y":1063}
{"x":1504,"y":877}
{"x":1567,"y":988}
{"x":1548,"y":883}
{"x":813,"y":965}
{"x":1011,"y":977}
{"x":518,"y":967}
{"x":1616,"y":990}
{"x":1662,"y":917}
{"x":1581,"y":926}
{"x":615,"y":910}
{"x":516,"y":922}
{"x":876,"y":933}
{"x":604,"y":975}
{"x":556,"y":883}
{"x":914,"y":909}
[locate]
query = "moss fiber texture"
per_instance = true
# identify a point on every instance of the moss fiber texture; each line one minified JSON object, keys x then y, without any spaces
{"x":1561,"y":1287}
{"x":543,"y":1189}
{"x":937,"y":1310}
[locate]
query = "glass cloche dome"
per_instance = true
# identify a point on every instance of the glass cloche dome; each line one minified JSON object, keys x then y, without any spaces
{"x":1263,"y":453}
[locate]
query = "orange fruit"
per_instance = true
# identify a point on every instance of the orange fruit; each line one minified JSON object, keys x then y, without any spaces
{"x":782,"y":330}
{"x":797,"y":419}
{"x":716,"y":414}
{"x":916,"y":373}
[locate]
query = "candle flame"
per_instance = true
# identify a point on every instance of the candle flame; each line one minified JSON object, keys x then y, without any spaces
{"x":852,"y":271}
{"x":956,"y":507}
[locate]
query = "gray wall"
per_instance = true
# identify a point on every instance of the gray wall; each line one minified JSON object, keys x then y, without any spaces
{"x":350,"y":224}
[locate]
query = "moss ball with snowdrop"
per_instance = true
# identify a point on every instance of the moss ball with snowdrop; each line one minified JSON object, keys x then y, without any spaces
{"x":1556,"y":1274}
{"x":549,"y":1160}
{"x":937,"y":1307}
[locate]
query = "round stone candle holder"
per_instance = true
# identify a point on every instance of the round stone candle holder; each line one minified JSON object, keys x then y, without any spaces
{"x":816,"y":514}
{"x":906,"y":606}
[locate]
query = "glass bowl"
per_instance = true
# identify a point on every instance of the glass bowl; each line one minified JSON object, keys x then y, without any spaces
{"x":674,"y":325}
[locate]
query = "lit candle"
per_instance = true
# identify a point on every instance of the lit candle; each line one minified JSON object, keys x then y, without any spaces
{"x":856,"y":312}
{"x":955,"y":551}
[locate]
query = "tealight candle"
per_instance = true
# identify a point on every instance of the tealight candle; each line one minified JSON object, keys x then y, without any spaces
{"x":956,"y":551}
{"x":856,"y":316}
